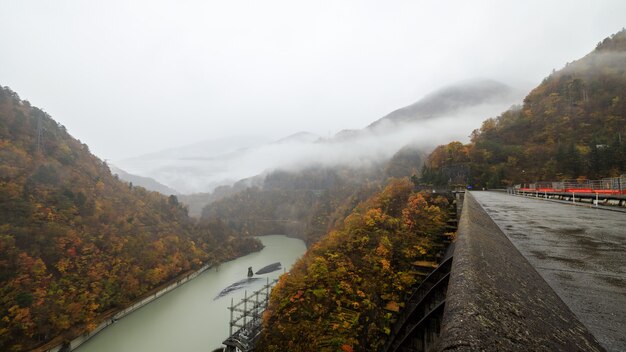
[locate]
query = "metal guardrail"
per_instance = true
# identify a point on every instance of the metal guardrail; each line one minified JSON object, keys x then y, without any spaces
{"x":418,"y":324}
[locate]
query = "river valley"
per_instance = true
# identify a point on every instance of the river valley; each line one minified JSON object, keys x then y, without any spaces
{"x":192,"y":318}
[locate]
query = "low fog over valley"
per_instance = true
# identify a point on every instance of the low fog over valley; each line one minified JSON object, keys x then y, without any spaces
{"x":449,"y":113}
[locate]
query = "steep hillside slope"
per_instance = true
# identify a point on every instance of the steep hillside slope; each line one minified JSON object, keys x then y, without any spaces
{"x":572,"y":125}
{"x":75,"y":242}
{"x":297,"y":203}
{"x":344,"y":293}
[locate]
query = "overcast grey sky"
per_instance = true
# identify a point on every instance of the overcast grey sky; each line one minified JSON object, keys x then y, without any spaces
{"x":132,"y":77}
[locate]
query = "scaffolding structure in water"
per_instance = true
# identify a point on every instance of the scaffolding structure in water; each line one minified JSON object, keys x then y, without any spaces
{"x":247,"y":318}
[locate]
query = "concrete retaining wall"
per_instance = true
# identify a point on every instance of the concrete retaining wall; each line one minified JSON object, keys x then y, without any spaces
{"x":121,"y":314}
{"x":496,"y":300}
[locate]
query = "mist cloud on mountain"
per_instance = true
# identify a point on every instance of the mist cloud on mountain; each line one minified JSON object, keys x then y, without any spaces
{"x":453,"y":112}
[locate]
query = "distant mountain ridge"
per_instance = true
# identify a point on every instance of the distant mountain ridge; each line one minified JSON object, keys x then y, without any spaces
{"x":448,"y":100}
{"x":210,"y":148}
{"x":145,"y":182}
{"x":192,"y":170}
{"x":303,"y":137}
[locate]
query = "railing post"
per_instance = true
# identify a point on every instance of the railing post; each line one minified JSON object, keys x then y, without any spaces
{"x":230,"y":328}
{"x":256,"y":306}
{"x":245,"y":306}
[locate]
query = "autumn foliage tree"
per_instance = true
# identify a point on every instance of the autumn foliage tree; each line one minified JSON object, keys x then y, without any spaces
{"x":344,"y":293}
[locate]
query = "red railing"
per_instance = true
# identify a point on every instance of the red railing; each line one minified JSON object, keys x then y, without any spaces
{"x":609,"y":186}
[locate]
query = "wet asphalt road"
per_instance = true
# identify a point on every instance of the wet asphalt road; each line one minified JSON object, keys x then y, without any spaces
{"x":579,"y":251}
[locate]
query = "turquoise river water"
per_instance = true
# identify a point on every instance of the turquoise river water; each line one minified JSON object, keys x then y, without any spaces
{"x":189,"y":318}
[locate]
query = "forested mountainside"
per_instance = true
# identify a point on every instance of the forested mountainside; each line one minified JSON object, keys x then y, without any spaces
{"x":75,"y":242}
{"x":344,"y":293}
{"x":408,"y":161}
{"x":306,"y":203}
{"x":196,"y":202}
{"x":323,"y":183}
{"x":572,"y":125}
{"x":298,"y":203}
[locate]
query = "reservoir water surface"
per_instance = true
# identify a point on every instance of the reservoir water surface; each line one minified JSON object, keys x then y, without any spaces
{"x":189,"y":318}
